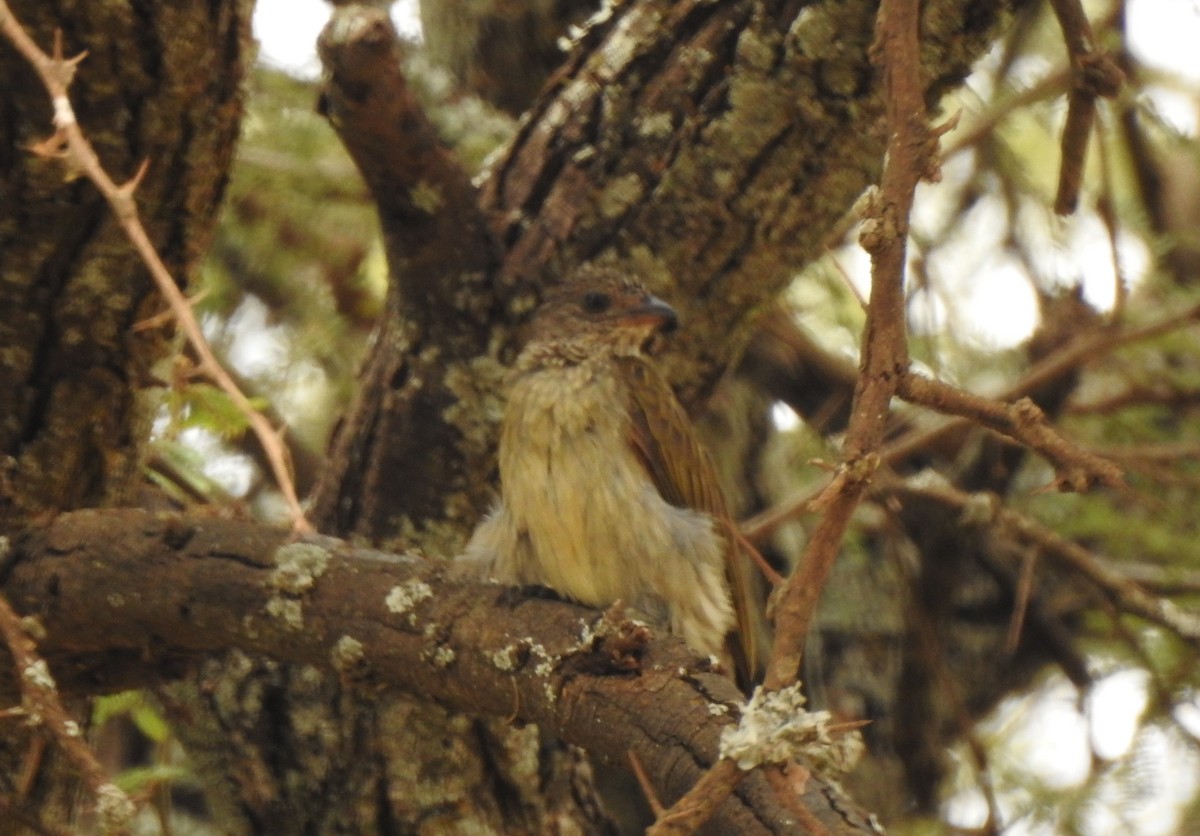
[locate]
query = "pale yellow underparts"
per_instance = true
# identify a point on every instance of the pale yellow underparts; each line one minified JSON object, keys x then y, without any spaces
{"x":580,"y":514}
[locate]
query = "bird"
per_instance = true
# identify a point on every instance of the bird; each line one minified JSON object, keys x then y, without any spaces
{"x":606,"y":493}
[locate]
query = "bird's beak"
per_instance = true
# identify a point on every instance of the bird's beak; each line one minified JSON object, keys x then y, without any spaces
{"x":653,"y":312}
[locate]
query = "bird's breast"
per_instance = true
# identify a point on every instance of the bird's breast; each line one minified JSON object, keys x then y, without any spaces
{"x":571,"y":482}
{"x":598,"y":529}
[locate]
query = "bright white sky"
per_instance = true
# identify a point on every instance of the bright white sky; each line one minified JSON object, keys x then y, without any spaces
{"x":287,"y":31}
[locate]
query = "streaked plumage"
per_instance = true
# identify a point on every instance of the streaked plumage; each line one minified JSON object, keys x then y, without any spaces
{"x":606,"y":494}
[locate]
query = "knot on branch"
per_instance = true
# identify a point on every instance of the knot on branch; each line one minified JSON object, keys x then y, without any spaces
{"x":1027,"y":414}
{"x":612,"y":645}
{"x":931,"y":150}
{"x":114,"y":809}
{"x":880,"y":226}
{"x":1081,"y":478}
{"x":776,"y":728}
{"x":297,"y":567}
{"x":854,"y":474}
{"x":1097,"y":74}
{"x":860,"y":469}
{"x":1076,"y":470}
{"x":365,"y":29}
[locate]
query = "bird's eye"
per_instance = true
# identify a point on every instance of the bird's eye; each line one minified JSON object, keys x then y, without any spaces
{"x":596,"y":302}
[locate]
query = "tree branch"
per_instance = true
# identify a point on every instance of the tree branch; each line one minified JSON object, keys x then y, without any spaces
{"x":1023,"y":422}
{"x":1095,"y":74}
{"x":1124,"y":592}
{"x":41,"y":706}
{"x":885,"y":348}
{"x":437,"y":238}
{"x":205,"y":585}
{"x":423,"y":381}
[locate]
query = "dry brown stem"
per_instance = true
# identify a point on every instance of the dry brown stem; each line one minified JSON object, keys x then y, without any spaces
{"x":647,"y":786}
{"x":701,"y":801}
{"x":885,"y":353}
{"x":42,"y":706}
{"x":778,"y":777}
{"x":1095,"y":74}
{"x":1085,"y":349}
{"x":984,"y":124}
{"x":1022,"y":421}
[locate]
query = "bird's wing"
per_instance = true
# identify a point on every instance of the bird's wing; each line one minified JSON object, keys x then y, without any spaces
{"x":680,"y":467}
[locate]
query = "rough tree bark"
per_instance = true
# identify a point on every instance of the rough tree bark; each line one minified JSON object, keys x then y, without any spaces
{"x":380,"y":621}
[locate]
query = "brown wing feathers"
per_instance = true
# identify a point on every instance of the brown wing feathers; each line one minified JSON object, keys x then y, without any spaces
{"x":685,"y":476}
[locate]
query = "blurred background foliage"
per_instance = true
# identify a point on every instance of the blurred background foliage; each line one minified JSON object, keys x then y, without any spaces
{"x":296,"y":276}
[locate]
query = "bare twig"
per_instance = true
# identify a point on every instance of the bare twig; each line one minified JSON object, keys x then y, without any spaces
{"x":1021,"y":596}
{"x":68,"y":142}
{"x":1023,"y":421}
{"x":1151,"y":454}
{"x":983,"y":777}
{"x":1095,"y":74}
{"x":43,"y":707}
{"x":1095,"y":344}
{"x":1155,"y":393}
{"x":1074,"y":355}
{"x":647,"y":786}
{"x":700,"y":802}
{"x":779,"y":777}
{"x":1106,"y":209}
{"x":1159,"y":579}
{"x":885,"y":355}
{"x":1084,"y":349}
{"x":764,"y":523}
{"x":982,"y":125}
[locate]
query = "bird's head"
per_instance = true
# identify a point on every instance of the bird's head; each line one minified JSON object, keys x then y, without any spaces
{"x":600,"y":310}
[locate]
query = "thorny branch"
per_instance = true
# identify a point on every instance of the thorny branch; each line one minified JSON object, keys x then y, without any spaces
{"x":41,"y":706}
{"x":910,"y":155}
{"x":69,"y":143}
{"x":700,"y":802}
{"x":885,"y":373}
